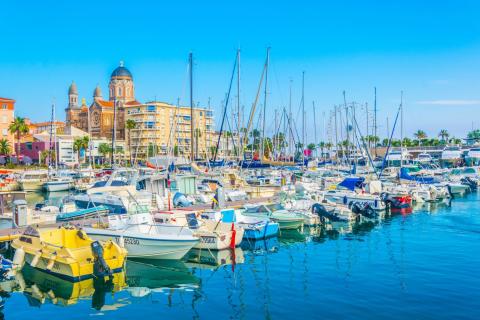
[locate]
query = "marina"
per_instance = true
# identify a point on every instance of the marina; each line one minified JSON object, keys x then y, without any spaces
{"x":249,"y":160}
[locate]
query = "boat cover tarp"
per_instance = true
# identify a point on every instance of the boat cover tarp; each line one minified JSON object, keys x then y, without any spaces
{"x":404,"y":175}
{"x":352,"y":182}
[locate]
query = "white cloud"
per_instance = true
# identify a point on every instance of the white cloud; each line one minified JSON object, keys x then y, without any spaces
{"x":449,"y":102}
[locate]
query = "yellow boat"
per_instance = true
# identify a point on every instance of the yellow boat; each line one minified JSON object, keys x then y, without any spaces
{"x":68,"y":253}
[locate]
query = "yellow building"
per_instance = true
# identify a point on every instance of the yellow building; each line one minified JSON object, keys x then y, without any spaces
{"x":162,"y":128}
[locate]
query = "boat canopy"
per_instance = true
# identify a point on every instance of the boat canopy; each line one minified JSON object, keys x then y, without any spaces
{"x":352,"y":182}
{"x":404,"y":174}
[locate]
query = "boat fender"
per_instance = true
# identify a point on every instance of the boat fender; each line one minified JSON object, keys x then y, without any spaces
{"x":51,"y":262}
{"x":36,"y":258}
{"x":121,"y":241}
{"x":100,"y":266}
{"x":19,"y":258}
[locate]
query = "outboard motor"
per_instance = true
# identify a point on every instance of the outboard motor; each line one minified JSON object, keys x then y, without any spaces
{"x":363,"y":209}
{"x":469,"y":182}
{"x":323,"y":213}
{"x":390,"y":201}
{"x":450,"y":191}
{"x":100,"y":267}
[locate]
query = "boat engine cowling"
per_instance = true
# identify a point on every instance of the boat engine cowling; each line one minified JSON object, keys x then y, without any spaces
{"x":469,"y":182}
{"x":100,"y":266}
{"x":389,"y":200}
{"x":363,"y":209}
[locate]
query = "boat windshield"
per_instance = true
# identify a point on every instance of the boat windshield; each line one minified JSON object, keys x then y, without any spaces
{"x":275,"y":207}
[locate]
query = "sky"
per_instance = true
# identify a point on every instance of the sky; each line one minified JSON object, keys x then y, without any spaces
{"x":430,"y":50}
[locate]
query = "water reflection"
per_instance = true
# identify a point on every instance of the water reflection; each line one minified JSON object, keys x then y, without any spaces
{"x":40,"y":287}
{"x":158,"y":274}
{"x":212,"y":259}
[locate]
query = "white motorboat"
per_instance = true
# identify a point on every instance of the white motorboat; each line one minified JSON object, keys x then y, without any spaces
{"x":451,"y":155}
{"x":214,"y":235}
{"x":424,"y":157}
{"x":33,"y":180}
{"x":143,"y":238}
{"x":55,"y":184}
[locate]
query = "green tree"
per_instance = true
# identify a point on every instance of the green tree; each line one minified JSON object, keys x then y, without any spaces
{"x":77,"y":146}
{"x":421,"y":136}
{"x":443,"y":134}
{"x":18,"y":127}
{"x":129,"y":125}
{"x":4,"y":147}
{"x":104,"y":149}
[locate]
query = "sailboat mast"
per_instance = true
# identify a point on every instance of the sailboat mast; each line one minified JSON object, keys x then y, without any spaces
{"x":55,"y":137}
{"x":303,"y":117}
{"x":375,"y":120}
{"x":315,"y":127}
{"x":290,"y":140}
{"x":239,"y":118}
{"x":265,"y":103}
{"x":192,"y":123}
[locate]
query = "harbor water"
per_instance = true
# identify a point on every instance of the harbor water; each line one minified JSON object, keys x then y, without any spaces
{"x":422,"y":265}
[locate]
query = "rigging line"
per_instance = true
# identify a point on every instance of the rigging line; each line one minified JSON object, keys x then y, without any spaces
{"x":389,"y":142}
{"x":226,"y":106}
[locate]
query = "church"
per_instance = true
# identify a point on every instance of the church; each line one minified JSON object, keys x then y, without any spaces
{"x":99,"y":116}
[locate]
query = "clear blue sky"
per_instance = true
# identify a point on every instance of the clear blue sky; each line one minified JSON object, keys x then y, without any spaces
{"x":428,"y":49}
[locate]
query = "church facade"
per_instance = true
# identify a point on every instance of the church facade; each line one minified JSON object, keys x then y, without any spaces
{"x":98,"y":118}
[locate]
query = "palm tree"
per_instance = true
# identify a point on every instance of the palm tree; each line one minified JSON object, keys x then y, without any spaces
{"x":18,"y":127}
{"x":85,"y":145}
{"x":129,"y":125}
{"x":443,"y":134}
{"x":104,"y":149}
{"x":77,"y":146}
{"x":420,"y":135}
{"x":4,"y":147}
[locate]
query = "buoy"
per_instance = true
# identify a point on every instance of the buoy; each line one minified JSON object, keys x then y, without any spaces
{"x":19,"y":258}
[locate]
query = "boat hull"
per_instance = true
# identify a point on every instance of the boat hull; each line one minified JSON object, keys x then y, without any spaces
{"x":36,"y":185}
{"x":56,"y":186}
{"x":147,"y":248}
{"x":265,"y":231}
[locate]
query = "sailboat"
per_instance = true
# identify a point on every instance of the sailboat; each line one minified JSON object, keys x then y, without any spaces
{"x":56,"y":181}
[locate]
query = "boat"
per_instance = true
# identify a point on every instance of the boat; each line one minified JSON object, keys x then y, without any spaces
{"x":398,"y":156}
{"x":33,"y":180}
{"x":68,"y":253}
{"x":257,"y":228}
{"x":137,"y":232}
{"x":424,"y":157}
{"x":276,"y":213}
{"x":214,"y":235}
{"x":451,"y":156}
{"x":59,"y":183}
{"x":473,"y":157}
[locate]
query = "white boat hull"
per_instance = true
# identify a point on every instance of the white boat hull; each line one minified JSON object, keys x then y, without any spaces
{"x":144,"y":246}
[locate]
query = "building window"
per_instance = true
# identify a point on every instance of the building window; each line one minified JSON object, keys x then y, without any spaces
{"x":4,"y":119}
{"x":4,"y":106}
{"x":5,"y":132}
